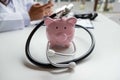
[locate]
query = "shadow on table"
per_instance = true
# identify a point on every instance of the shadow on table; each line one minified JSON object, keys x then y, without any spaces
{"x":51,"y":69}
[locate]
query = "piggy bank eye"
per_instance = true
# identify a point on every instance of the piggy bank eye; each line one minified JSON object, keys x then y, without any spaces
{"x":65,"y":27}
{"x":56,"y":27}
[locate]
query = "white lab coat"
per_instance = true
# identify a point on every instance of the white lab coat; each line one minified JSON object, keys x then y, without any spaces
{"x":16,"y":18}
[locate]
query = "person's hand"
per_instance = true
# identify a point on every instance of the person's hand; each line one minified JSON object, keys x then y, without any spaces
{"x":38,"y":11}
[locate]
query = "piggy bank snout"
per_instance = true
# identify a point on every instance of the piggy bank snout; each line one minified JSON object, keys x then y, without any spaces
{"x":61,"y":37}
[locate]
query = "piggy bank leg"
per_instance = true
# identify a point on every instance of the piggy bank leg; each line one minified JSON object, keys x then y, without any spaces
{"x":52,"y":45}
{"x":67,"y":45}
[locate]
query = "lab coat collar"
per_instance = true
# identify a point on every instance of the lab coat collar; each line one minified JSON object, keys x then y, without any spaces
{"x":5,"y":8}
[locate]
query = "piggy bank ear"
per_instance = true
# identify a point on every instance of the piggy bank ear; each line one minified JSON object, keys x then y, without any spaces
{"x":72,"y":20}
{"x":48,"y":21}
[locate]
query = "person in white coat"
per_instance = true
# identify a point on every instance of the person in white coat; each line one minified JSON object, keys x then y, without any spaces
{"x":16,"y":14}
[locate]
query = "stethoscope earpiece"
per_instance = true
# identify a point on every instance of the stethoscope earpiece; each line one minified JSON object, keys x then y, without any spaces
{"x":94,"y":15}
{"x":90,"y":16}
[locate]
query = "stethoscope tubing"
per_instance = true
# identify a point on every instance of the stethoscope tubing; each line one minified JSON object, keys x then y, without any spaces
{"x":40,"y":64}
{"x":61,"y":54}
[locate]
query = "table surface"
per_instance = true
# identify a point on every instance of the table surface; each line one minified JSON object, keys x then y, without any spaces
{"x":102,"y":64}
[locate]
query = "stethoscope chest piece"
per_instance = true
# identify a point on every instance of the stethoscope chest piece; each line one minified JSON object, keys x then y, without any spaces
{"x":58,"y":55}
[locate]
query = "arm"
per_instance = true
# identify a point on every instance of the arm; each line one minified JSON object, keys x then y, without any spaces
{"x":38,"y":11}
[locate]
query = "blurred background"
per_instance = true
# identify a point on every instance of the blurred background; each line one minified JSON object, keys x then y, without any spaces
{"x":109,"y":8}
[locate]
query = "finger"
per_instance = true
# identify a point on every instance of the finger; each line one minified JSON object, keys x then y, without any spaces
{"x":48,"y":9}
{"x":48,"y":5}
{"x":37,"y":5}
{"x":50,"y":1}
{"x":48,"y":12}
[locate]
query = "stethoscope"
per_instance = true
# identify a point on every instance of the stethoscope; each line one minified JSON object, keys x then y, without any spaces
{"x":66,"y":64}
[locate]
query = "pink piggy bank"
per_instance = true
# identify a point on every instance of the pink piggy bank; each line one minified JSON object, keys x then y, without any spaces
{"x":60,"y":32}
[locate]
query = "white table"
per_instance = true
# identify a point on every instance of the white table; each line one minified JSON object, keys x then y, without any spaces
{"x":102,"y":64}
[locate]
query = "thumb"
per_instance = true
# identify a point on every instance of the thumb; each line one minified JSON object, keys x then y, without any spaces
{"x":37,"y":5}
